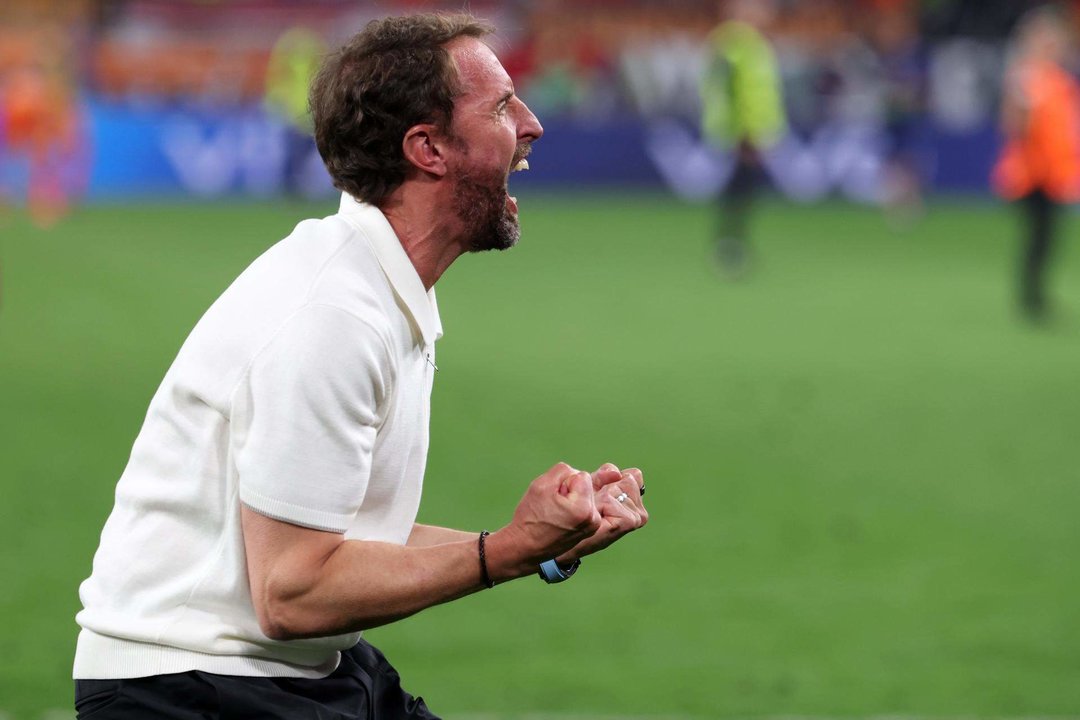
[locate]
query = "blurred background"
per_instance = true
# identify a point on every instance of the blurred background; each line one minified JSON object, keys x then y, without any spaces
{"x":198,"y":97}
{"x":857,"y":423}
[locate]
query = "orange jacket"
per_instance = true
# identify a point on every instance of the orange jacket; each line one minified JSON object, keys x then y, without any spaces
{"x":1046,"y":155}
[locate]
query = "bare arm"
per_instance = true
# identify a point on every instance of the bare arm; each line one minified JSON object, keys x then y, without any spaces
{"x":425,"y":535}
{"x":311,"y":583}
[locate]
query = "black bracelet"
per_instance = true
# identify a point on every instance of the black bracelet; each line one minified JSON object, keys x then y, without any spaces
{"x":484,"y":577}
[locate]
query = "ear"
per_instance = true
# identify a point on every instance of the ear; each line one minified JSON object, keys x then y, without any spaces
{"x":424,"y":148}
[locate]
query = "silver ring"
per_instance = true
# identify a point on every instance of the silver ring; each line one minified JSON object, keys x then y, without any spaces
{"x":623,"y":497}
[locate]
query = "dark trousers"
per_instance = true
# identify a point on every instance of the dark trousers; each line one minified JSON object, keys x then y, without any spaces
{"x":735,"y":206}
{"x":738,"y":197}
{"x":364,"y":687}
{"x":1040,"y":228}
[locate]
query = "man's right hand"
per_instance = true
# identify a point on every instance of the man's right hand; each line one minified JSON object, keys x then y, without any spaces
{"x":557,"y":512}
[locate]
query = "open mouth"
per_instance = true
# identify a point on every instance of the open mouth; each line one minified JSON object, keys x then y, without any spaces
{"x":521,"y":164}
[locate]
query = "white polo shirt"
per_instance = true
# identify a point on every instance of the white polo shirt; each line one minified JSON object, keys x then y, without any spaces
{"x":303,"y":392}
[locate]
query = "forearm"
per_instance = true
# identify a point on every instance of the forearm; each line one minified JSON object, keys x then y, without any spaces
{"x":312,"y":583}
{"x":364,"y":584}
{"x":427,"y":535}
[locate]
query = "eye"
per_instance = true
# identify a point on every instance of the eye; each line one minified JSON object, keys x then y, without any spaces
{"x":503,"y":106}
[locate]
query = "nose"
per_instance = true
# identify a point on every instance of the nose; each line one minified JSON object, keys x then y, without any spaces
{"x":529,"y":129}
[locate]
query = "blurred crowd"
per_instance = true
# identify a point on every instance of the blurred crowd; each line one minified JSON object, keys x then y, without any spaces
{"x":584,"y":57}
{"x":886,"y":63}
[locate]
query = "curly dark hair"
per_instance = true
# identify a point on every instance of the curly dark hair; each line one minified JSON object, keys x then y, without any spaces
{"x":392,"y":75}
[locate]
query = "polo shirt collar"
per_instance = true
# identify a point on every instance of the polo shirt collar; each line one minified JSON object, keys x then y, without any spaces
{"x":396,"y":265}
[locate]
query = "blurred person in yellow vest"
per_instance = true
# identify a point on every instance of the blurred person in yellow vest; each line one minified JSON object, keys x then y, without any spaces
{"x":293,"y":63}
{"x":743,"y":113}
{"x":1039,"y":166}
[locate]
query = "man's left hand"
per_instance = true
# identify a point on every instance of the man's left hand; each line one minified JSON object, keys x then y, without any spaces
{"x":617,"y":517}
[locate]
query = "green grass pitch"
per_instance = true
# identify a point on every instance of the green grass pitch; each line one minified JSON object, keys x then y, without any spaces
{"x":863,"y":469}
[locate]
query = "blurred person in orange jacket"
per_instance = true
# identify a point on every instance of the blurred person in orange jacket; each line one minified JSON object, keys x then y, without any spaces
{"x":42,"y":127}
{"x":1039,"y":166}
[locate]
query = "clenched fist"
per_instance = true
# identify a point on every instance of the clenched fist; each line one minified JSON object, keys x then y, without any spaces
{"x":567,"y":514}
{"x":617,"y":495}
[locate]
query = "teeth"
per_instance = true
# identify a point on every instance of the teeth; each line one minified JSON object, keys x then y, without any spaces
{"x":522,"y":164}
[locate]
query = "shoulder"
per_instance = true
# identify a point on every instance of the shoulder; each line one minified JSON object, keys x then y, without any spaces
{"x":330,"y":351}
{"x":329,"y":334}
{"x":342,"y":271}
{"x":316,"y":297}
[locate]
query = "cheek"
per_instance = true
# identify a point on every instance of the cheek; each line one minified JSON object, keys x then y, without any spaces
{"x":494,"y":149}
{"x":507,"y":138}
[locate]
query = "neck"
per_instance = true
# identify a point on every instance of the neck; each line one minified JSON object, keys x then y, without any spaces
{"x":431,"y":242}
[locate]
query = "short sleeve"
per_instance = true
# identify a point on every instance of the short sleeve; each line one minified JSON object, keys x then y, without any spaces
{"x":305,"y":417}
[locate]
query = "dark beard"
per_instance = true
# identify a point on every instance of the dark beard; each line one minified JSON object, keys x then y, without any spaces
{"x":481,"y":205}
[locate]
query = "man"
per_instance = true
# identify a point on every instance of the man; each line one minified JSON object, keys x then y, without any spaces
{"x":292,"y":63}
{"x":1039,"y":164}
{"x":743,"y":113}
{"x":266,"y":516}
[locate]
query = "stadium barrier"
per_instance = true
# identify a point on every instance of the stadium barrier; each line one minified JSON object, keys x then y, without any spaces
{"x":151,"y":150}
